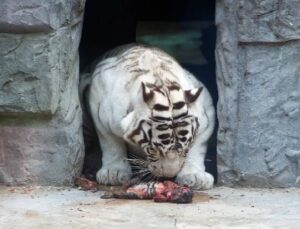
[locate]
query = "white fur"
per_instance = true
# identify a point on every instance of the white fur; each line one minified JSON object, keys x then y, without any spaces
{"x":113,"y":94}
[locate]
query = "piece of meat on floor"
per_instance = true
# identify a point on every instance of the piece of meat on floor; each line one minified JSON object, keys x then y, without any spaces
{"x":166,"y":191}
{"x":85,"y":184}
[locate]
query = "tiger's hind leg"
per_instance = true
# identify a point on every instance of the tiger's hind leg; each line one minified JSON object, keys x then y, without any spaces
{"x":115,"y":166}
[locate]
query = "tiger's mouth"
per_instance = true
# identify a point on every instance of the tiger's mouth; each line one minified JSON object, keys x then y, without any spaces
{"x":166,"y":168}
{"x":163,"y":167}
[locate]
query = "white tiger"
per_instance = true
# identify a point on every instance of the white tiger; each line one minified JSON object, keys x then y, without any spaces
{"x":140,"y":95}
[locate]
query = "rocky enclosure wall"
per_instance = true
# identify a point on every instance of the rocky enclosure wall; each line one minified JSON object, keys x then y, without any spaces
{"x":258,"y":74}
{"x":40,"y":117}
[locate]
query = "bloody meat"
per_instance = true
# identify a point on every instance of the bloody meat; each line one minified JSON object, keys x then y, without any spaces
{"x":166,"y":191}
{"x":85,"y":184}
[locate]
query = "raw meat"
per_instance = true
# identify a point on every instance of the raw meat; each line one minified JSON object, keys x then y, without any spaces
{"x":85,"y":184}
{"x":166,"y":191}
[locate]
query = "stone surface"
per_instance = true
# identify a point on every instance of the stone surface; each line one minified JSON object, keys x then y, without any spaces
{"x":29,"y":72}
{"x":259,"y":100}
{"x":40,"y":116}
{"x":46,"y":207}
{"x":268,"y":20}
{"x":32,"y":16}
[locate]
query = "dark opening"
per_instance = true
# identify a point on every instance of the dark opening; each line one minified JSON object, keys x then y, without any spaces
{"x":183,"y":28}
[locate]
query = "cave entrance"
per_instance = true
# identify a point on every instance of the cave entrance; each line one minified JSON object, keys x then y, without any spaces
{"x":183,"y":28}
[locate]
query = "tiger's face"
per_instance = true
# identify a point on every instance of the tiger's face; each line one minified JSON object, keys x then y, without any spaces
{"x":169,"y":145}
{"x":167,"y":134}
{"x":172,"y":130}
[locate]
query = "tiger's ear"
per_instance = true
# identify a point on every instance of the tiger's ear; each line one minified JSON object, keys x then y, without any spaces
{"x":193,"y":94}
{"x":147,"y":93}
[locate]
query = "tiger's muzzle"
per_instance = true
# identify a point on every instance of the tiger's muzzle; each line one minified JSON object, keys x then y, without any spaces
{"x":167,"y":166}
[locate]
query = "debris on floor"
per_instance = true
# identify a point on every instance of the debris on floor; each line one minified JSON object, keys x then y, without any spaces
{"x":85,"y":184}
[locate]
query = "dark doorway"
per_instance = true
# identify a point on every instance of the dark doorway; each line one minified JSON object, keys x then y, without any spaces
{"x":183,"y":28}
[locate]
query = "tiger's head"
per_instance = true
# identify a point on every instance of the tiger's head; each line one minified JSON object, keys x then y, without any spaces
{"x":169,"y":130}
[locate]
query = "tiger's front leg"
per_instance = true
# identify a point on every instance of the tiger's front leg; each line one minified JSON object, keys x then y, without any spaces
{"x":115,"y":168}
{"x":193,"y":172}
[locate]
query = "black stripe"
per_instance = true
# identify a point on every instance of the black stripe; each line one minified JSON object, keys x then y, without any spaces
{"x":150,"y":133}
{"x":110,"y":67}
{"x":159,"y":118}
{"x":163,"y":127}
{"x":148,"y":151}
{"x":140,"y":142}
{"x":174,"y":87}
{"x":183,"y":132}
{"x":181,"y":115}
{"x":158,"y":144}
{"x":137,"y":130}
{"x":181,"y":124}
{"x":153,"y":159}
{"x":178,"y":105}
{"x":165,"y":142}
{"x":135,"y":64}
{"x":145,"y":135}
{"x":193,"y":129}
{"x":164,"y":136}
{"x":160,"y":107}
{"x":197,"y":123}
{"x":139,"y":70}
{"x":182,"y":139}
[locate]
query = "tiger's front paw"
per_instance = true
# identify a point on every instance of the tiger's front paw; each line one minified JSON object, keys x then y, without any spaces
{"x":198,"y":180}
{"x":116,"y":174}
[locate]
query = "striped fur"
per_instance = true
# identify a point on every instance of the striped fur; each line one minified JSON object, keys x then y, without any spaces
{"x":170,"y":125}
{"x":142,"y":96}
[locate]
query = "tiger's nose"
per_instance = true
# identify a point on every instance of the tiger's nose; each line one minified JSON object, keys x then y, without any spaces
{"x":177,"y":146}
{"x":171,"y":155}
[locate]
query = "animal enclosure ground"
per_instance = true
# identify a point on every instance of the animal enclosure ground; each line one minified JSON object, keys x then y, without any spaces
{"x":62,"y":207}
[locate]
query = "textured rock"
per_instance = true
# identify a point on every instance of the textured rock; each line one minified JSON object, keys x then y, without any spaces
{"x":25,"y":16}
{"x":42,"y":155}
{"x":259,"y":93}
{"x":268,"y":20}
{"x":40,"y":117}
{"x":28,"y":78}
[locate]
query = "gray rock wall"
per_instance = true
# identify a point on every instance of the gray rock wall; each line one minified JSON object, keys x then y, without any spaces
{"x":40,"y":117}
{"x":258,"y":74}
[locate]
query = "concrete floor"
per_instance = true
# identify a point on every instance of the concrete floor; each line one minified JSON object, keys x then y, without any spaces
{"x":52,"y":207}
